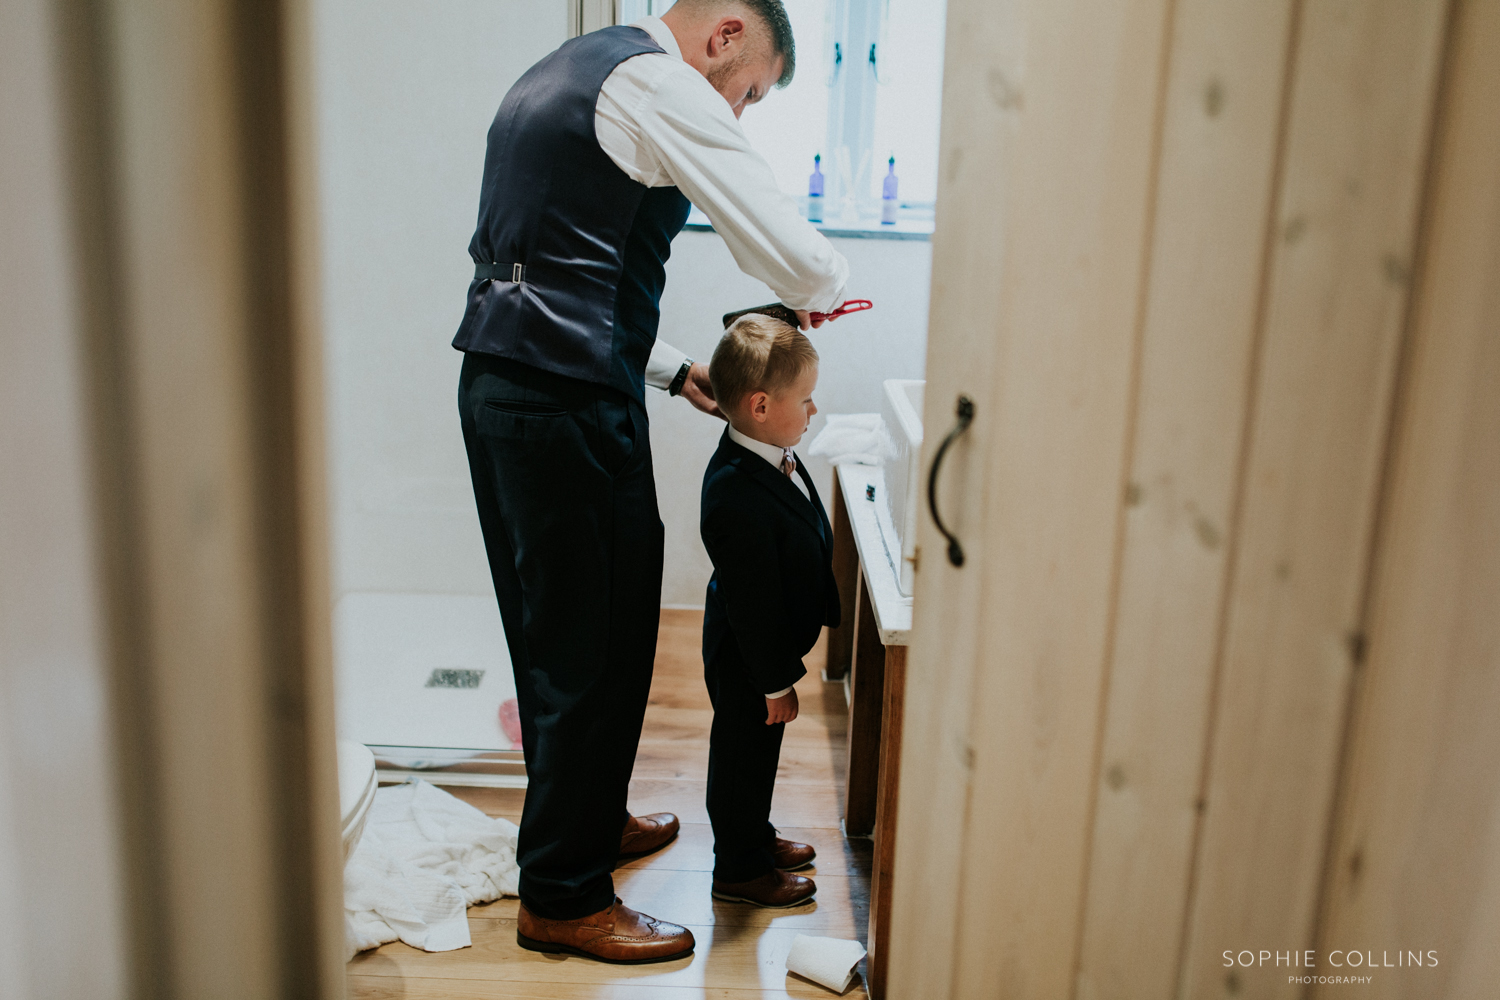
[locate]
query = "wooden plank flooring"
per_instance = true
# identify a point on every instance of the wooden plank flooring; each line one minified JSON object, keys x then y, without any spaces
{"x":741,"y":950}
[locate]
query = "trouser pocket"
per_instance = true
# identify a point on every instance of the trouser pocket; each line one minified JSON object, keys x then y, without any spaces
{"x":616,"y":432}
{"x":525,"y":407}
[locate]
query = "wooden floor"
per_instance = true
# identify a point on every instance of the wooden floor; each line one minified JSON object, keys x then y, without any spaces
{"x":741,"y":949}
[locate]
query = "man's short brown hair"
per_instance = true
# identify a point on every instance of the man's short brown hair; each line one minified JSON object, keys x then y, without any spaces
{"x":758,"y":354}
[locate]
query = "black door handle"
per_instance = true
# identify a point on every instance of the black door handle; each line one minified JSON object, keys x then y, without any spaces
{"x":965,"y":413}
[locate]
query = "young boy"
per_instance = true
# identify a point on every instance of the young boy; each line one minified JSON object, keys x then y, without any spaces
{"x":771,"y":594}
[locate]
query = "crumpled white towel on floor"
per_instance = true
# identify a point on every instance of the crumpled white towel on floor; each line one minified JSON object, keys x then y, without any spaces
{"x":424,"y":859}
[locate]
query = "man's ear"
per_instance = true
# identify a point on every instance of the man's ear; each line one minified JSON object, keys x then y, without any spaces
{"x":727,"y":34}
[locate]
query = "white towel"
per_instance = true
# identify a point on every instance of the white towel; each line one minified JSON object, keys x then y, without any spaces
{"x":424,"y":859}
{"x":826,"y":961}
{"x":859,"y":438}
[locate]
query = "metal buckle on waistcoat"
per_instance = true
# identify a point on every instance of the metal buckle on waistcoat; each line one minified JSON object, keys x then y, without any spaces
{"x":495,"y":271}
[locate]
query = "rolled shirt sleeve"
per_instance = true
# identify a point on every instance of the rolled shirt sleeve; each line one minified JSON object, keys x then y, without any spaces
{"x":663,"y":365}
{"x":663,"y":124}
{"x":700,"y":145}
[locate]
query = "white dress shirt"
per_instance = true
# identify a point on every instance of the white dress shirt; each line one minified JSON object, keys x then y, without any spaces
{"x":664,"y":125}
{"x":773,"y":454}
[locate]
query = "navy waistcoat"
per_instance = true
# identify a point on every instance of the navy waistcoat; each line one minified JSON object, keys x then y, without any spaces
{"x":593,"y":242}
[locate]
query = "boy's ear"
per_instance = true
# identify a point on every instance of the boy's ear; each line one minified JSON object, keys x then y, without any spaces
{"x":758,"y":405}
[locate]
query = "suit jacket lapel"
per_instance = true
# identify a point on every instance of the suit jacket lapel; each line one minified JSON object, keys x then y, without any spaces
{"x":776,"y":481}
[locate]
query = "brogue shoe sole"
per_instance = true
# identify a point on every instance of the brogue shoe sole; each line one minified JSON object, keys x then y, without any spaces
{"x":632,"y":855}
{"x":553,"y":948}
{"x":727,"y":898}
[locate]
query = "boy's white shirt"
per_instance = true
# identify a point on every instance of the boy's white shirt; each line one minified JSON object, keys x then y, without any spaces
{"x":772,"y":454}
{"x":664,"y":125}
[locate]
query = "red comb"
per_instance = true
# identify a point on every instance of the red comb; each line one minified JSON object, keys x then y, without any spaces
{"x":788,"y":316}
{"x":851,"y":306}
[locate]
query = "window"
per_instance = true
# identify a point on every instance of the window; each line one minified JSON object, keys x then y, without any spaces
{"x":633,"y":10}
{"x":868,"y":87}
{"x":909,"y":97}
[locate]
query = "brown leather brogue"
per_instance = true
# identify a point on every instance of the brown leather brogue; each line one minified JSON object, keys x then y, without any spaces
{"x":619,"y":935}
{"x":775,"y":889}
{"x":790,"y":856}
{"x":644,"y":834}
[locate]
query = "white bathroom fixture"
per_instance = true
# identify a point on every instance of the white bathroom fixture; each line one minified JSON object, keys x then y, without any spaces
{"x":901,"y":407}
{"x":421,"y":670}
{"x":357,"y":785}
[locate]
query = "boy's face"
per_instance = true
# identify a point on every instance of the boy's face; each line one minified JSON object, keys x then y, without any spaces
{"x":781,"y":418}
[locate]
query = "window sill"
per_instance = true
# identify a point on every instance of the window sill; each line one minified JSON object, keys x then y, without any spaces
{"x":910,"y":226}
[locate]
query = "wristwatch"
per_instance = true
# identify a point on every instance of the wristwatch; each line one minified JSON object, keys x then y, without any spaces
{"x":680,"y":379}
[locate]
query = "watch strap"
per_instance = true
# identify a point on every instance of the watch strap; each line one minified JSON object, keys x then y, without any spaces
{"x":680,"y":379}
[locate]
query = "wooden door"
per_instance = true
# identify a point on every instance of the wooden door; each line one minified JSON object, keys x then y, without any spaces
{"x":1049,"y":137}
{"x":1415,"y":857}
{"x":1174,"y":268}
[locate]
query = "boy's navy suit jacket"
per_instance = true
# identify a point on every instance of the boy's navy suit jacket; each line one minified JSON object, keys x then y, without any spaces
{"x":772,"y":590}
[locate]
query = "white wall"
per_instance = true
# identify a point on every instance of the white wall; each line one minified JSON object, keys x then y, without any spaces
{"x":406,"y":92}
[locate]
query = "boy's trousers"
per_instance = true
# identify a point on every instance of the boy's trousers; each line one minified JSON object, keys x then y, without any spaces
{"x":742,"y":759}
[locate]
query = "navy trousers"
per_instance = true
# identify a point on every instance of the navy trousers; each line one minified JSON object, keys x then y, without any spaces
{"x":567,"y":502}
{"x":743,"y":754}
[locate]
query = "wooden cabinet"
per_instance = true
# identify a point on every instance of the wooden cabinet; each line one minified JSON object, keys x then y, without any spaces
{"x":871,"y":645}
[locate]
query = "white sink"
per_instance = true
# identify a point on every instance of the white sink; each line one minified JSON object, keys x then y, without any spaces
{"x":901,"y":407}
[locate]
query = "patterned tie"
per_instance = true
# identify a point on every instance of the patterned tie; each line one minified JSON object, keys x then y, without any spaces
{"x":788,"y":462}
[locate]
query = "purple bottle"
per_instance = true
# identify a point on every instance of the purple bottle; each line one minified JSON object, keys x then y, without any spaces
{"x":888,"y":198}
{"x":815,"y":191}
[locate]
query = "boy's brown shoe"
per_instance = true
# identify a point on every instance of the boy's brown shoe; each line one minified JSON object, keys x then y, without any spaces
{"x":644,"y":834}
{"x":775,"y":889}
{"x":617,"y":934}
{"x":790,"y":856}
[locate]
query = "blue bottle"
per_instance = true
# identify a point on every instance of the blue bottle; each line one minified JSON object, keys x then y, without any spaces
{"x":888,"y":198}
{"x":815,"y":191}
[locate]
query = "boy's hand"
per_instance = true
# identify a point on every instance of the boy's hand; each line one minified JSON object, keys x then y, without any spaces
{"x":783,"y":709}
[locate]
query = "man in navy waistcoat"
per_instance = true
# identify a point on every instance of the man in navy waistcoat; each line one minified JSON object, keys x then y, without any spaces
{"x":591,"y":162}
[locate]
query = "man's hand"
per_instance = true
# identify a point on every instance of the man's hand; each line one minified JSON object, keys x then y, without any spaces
{"x":805,"y":320}
{"x":783,"y":709}
{"x":699,"y":391}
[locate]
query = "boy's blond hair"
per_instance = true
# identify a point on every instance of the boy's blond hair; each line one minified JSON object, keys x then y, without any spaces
{"x":758,"y":354}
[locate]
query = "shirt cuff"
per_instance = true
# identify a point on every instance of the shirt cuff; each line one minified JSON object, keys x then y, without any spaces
{"x":780,"y":694}
{"x":838,"y":300}
{"x":663,"y":365}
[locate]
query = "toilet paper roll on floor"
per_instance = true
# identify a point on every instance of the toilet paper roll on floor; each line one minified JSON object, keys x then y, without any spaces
{"x":826,"y":961}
